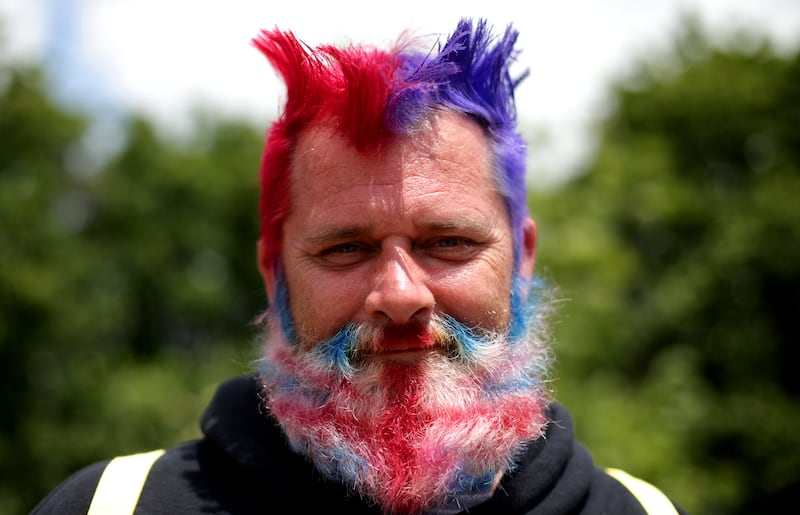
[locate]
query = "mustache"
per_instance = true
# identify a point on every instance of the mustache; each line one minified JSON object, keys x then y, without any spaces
{"x":349,"y":346}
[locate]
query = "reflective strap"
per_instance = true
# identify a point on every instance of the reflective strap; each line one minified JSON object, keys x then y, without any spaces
{"x":121,"y":484}
{"x":651,"y":498}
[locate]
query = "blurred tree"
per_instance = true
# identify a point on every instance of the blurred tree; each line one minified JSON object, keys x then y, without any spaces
{"x":35,"y":137}
{"x":126,"y":293}
{"x":677,"y":252}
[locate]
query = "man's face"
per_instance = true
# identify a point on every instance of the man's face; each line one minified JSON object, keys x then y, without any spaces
{"x":398,"y":269}
{"x":393,"y":238}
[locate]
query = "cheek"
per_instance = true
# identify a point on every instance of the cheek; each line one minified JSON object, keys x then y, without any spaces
{"x":478,"y":295}
{"x":321,"y":306}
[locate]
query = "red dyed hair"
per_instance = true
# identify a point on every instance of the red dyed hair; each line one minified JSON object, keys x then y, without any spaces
{"x":346,"y":87}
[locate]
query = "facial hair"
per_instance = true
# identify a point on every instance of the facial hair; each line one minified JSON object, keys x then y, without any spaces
{"x":410,"y":435}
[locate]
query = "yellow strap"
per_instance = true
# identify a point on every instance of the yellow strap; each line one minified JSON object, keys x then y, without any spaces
{"x":121,"y":484}
{"x":651,"y":498}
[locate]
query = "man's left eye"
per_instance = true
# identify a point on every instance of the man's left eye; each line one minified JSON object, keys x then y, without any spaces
{"x":452,"y":248}
{"x":449,"y":242}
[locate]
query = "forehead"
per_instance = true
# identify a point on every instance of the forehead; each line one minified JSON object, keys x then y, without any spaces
{"x":447,"y":151}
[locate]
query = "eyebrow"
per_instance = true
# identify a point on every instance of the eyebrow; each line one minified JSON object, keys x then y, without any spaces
{"x":333,"y":234}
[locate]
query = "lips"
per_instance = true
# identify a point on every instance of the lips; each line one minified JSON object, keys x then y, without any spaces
{"x":406,"y":338}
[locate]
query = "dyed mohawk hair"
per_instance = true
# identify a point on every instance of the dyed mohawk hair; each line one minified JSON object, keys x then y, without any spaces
{"x":370,"y":95}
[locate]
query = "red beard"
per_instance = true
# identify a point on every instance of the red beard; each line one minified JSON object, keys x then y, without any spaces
{"x":414,"y":434}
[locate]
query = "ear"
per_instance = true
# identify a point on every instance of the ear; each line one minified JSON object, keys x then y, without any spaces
{"x":528,"y":251}
{"x":266,"y":269}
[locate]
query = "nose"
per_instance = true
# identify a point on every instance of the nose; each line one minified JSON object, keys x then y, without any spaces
{"x":399,"y":292}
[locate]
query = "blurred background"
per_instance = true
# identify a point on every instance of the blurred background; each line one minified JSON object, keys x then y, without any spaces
{"x":664,"y":177}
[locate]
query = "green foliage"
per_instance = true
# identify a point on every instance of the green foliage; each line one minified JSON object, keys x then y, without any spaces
{"x":126,"y":293}
{"x":677,"y":252}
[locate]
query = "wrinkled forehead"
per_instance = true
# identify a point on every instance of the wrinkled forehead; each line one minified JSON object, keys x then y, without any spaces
{"x":454,"y":140}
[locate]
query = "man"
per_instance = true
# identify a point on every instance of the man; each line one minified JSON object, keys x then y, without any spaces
{"x":405,"y":353}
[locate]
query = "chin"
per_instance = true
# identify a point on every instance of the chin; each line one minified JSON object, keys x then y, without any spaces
{"x":411,"y":429}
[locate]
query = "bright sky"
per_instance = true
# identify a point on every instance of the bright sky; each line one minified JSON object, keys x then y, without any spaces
{"x":163,"y":57}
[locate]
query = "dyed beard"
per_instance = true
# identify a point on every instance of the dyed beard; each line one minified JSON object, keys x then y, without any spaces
{"x":410,"y":435}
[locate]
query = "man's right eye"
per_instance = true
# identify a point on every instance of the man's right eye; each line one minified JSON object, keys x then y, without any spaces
{"x":343,"y":254}
{"x":345,"y":248}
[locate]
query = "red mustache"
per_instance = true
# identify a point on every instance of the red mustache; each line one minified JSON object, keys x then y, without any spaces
{"x":405,"y":337}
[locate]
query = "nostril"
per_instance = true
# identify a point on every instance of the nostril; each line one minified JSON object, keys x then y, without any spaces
{"x":401,"y":305}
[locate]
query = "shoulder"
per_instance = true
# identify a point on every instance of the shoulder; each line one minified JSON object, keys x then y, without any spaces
{"x":120,"y":481}
{"x":74,"y":494}
{"x":649,"y":497}
{"x":558,"y":474}
{"x":173,"y":478}
{"x":606,"y":489}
